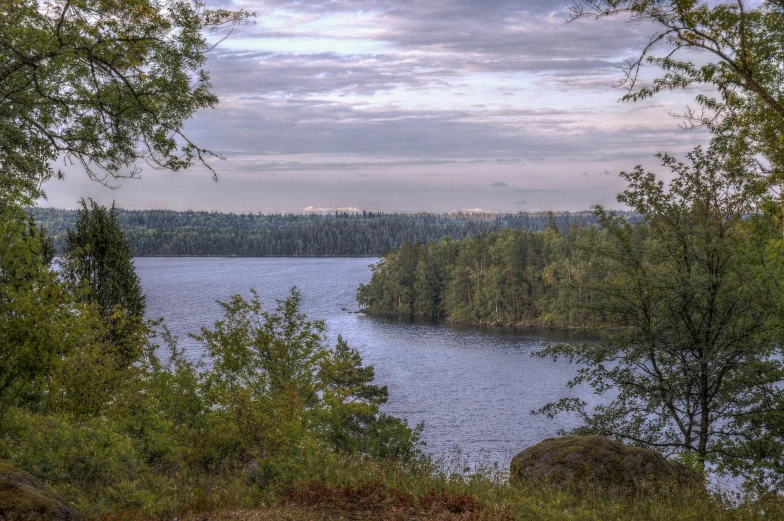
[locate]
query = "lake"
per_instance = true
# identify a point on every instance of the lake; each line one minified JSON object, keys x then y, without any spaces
{"x":473,"y":387}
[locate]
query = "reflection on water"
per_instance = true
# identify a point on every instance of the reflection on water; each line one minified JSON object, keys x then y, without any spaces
{"x":548,"y":335}
{"x":473,"y":387}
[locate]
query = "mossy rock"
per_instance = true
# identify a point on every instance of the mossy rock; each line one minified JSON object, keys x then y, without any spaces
{"x":22,"y":496}
{"x":598,"y":462}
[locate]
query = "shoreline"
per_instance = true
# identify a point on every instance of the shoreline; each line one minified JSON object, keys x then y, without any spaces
{"x":520,"y":326}
{"x":257,"y":256}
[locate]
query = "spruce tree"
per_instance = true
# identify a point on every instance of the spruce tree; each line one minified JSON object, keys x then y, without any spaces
{"x":98,"y":261}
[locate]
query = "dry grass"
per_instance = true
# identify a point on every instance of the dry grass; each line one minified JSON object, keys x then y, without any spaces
{"x":376,"y":501}
{"x":280,"y":513}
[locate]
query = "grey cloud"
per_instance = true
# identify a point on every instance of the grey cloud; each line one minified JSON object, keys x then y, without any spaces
{"x":458,"y":9}
{"x":449,"y":39}
{"x":288,"y":113}
{"x":482,"y":36}
{"x":264,"y":74}
{"x":286,"y":166}
{"x":602,"y":78}
{"x":268,"y":74}
{"x":499,"y":184}
{"x":604,"y":173}
{"x":319,"y":127}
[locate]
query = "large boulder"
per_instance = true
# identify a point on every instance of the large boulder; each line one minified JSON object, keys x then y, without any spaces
{"x":598,"y":462}
{"x":22,"y":496}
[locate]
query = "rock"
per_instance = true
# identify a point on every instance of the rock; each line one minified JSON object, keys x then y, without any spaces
{"x":22,"y":496}
{"x":599,"y":462}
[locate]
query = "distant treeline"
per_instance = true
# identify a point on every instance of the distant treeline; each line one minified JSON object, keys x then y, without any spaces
{"x":170,"y":233}
{"x":512,"y":277}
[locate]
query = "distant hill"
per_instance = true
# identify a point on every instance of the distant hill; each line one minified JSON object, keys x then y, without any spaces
{"x":154,"y":233}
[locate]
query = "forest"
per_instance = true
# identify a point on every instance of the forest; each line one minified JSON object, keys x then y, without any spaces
{"x":153,"y":233}
{"x":511,"y":277}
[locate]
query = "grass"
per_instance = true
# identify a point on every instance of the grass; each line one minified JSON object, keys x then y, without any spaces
{"x":109,"y":476}
{"x":356,"y":489}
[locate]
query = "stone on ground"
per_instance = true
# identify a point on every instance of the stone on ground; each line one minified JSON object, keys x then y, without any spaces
{"x":598,"y":462}
{"x":23,"y":497}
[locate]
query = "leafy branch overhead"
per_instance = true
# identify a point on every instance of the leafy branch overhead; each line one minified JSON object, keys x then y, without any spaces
{"x":102,"y":84}
{"x":744,"y":52}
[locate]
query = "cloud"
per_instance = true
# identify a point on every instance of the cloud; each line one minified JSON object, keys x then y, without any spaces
{"x":481,"y":31}
{"x":261,"y":163}
{"x":473,"y":210}
{"x":426,"y":80}
{"x":364,"y":49}
{"x":323,"y":96}
{"x":342,"y":209}
{"x":275,"y":127}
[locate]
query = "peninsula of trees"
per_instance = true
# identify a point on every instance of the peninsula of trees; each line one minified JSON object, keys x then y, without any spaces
{"x":510,"y":277}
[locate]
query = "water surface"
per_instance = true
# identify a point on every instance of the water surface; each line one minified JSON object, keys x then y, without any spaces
{"x":472,"y":387}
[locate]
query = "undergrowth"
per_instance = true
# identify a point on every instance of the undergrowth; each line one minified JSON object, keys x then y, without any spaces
{"x":109,"y":477}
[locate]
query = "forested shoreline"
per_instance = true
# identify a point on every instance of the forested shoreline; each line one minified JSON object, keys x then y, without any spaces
{"x":168,"y":233}
{"x":507,"y":278}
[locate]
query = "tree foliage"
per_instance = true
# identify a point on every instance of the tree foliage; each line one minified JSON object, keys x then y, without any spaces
{"x":104,"y":84}
{"x":98,"y":256}
{"x":98,"y":264}
{"x":744,"y":47}
{"x":281,"y":384}
{"x":513,"y":277}
{"x":31,"y":308}
{"x":696,"y":359}
{"x":42,"y":327}
{"x":166,"y":232}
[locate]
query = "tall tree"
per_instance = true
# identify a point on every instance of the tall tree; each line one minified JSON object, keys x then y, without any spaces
{"x":103,"y":83}
{"x":696,"y":358}
{"x":98,"y":261}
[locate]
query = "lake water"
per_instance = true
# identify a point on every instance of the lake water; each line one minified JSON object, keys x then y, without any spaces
{"x":472,"y":387}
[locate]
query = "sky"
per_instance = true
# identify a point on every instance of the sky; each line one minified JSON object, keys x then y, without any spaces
{"x":409,"y":106}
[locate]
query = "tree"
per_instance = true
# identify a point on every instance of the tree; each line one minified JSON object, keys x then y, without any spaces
{"x":282,"y":386}
{"x":744,"y":48}
{"x":40,"y":322}
{"x":352,"y":401}
{"x":98,"y":261}
{"x":104,"y":84}
{"x":27,"y":346}
{"x":695,"y":360}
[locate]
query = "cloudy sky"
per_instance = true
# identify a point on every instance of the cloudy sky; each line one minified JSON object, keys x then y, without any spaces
{"x":428,"y":105}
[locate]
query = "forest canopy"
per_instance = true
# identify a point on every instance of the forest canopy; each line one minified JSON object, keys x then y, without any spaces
{"x":171,"y":233}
